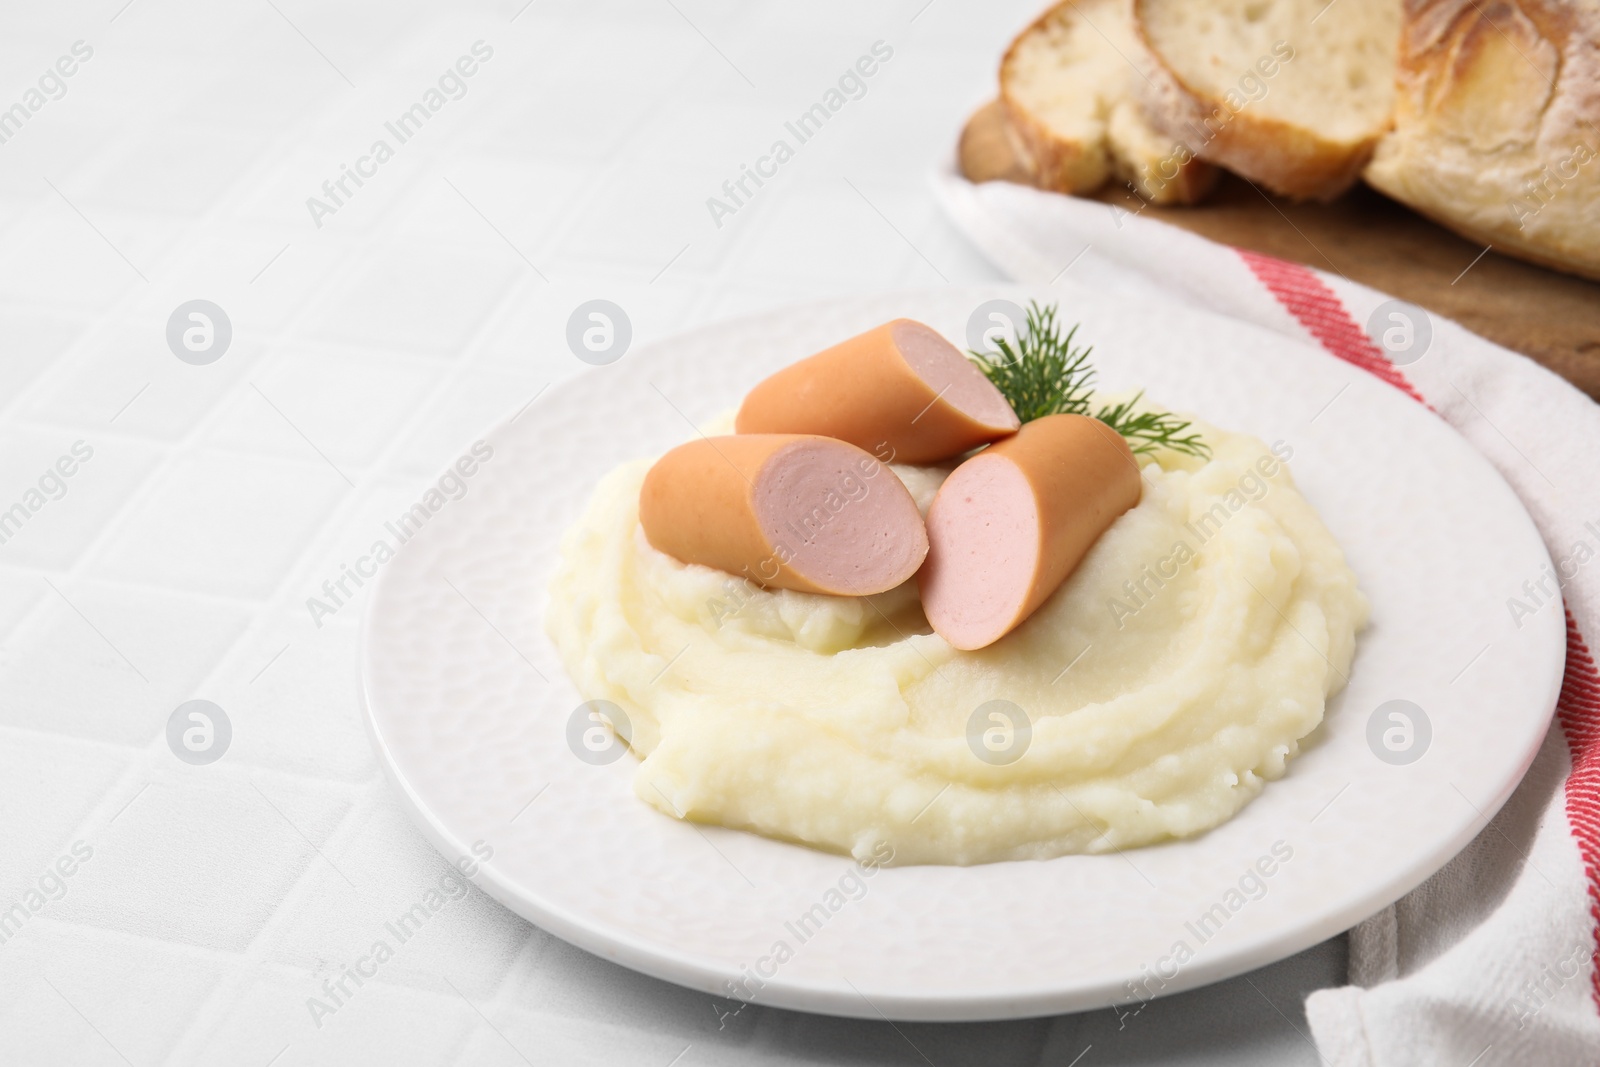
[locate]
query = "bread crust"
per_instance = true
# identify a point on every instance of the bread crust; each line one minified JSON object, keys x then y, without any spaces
{"x":1497,"y":126}
{"x":1288,"y":159}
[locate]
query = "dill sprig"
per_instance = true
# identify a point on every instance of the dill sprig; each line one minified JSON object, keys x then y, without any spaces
{"x":1147,"y":431}
{"x":1043,"y":373}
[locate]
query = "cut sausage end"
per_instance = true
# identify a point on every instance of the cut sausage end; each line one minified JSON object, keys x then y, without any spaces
{"x":984,"y":545}
{"x":953,"y":377}
{"x":848,"y":525}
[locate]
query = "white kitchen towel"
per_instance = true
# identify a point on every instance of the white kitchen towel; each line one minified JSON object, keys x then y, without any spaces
{"x":1492,"y":961}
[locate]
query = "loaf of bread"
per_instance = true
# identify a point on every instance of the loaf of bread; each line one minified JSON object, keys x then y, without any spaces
{"x":1291,"y":94}
{"x":1483,"y":116}
{"x":1067,"y":89}
{"x":1497,"y":126}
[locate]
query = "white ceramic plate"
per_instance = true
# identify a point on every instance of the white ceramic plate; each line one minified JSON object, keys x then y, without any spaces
{"x":467,"y":703}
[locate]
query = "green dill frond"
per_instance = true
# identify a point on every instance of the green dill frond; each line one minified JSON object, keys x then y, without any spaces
{"x":1044,"y":374}
{"x":1151,"y":431}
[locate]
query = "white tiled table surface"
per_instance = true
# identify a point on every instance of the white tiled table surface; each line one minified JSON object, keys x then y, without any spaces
{"x":174,"y":164}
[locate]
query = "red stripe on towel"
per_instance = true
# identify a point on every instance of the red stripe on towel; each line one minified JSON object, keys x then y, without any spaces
{"x":1319,"y":309}
{"x":1578,"y":711}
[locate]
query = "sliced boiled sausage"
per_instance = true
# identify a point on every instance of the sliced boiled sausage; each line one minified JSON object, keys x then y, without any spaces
{"x":900,"y":391}
{"x":793,"y":511}
{"x":1011,"y":523}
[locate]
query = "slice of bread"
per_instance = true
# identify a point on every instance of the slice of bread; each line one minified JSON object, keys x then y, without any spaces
{"x":1291,"y":94}
{"x":1067,"y":87}
{"x":1497,"y":126}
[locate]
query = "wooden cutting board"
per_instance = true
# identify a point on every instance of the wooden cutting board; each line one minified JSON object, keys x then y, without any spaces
{"x":1553,"y":318}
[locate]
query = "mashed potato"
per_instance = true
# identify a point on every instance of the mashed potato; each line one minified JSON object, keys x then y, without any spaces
{"x":1151,"y":697}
